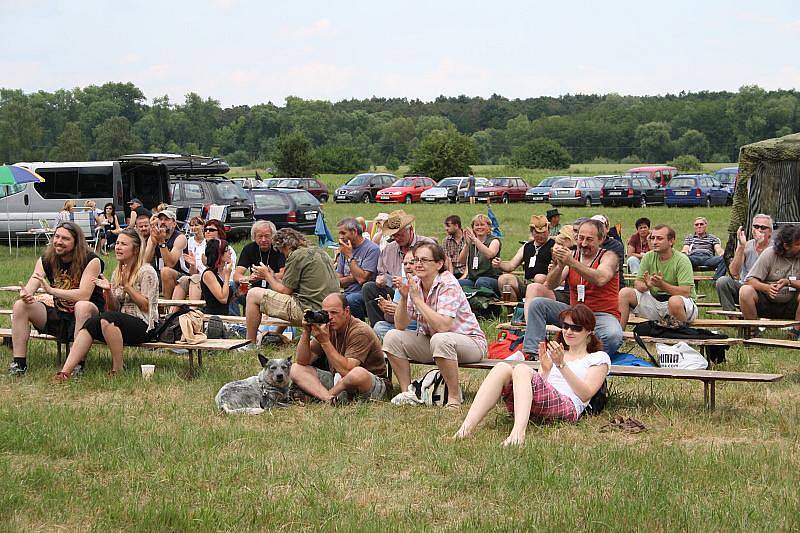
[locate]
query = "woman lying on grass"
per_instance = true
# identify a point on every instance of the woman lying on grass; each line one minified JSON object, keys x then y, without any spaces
{"x":560,"y":390}
{"x":131,"y":303}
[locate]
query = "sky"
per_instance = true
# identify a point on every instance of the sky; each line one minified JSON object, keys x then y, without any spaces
{"x":243,"y":52}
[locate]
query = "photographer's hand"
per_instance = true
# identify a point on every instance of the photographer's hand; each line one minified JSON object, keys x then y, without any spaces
{"x":320,"y":332}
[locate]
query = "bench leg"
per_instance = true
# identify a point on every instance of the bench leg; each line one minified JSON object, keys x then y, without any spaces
{"x":191,"y":362}
{"x":199,"y":358}
{"x":709,"y":394}
{"x":58,"y":354}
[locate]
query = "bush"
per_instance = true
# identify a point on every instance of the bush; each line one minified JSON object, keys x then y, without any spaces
{"x":631,"y":159}
{"x":541,"y":153}
{"x":720,"y":158}
{"x":686,"y":163}
{"x":392,"y":164}
{"x":239,"y":158}
{"x":295,"y":157}
{"x":444,"y":153}
{"x":340,"y":159}
{"x":602,"y":161}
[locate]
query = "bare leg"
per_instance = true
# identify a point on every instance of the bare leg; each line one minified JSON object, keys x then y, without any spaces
{"x":449,"y":370}
{"x":402,"y":370}
{"x":509,"y":279}
{"x":195,"y":293}
{"x":84,"y":311}
{"x":113,"y":336}
{"x":179,"y":293}
{"x":523,"y":399}
{"x":306,"y":378}
{"x":748,"y":297}
{"x":627,"y":301}
{"x":675,"y":308}
{"x":77,"y":353}
{"x":168,"y":278}
{"x":23,"y":316}
{"x":252,"y":313}
{"x":485,"y":399}
{"x":358,"y":379}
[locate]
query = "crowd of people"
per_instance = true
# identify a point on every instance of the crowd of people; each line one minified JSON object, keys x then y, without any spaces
{"x":391,"y":291}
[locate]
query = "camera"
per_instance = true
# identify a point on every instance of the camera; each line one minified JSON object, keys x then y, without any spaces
{"x":316,"y":317}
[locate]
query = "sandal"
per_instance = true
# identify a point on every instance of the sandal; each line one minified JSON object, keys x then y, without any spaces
{"x":114,"y":373}
{"x":60,"y":377}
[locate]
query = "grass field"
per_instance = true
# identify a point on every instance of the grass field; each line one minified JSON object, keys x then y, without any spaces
{"x":103,"y":454}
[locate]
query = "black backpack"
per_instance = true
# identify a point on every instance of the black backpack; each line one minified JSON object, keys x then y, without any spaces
{"x":169,"y":329}
{"x":661,"y":330}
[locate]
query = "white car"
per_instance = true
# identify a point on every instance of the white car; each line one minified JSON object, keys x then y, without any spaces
{"x":453,"y":190}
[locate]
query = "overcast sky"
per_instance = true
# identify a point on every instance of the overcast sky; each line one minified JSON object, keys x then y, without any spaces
{"x":249,"y":52}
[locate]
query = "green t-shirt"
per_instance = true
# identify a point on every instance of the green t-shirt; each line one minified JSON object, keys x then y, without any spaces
{"x":309,"y":273}
{"x":676,"y":271}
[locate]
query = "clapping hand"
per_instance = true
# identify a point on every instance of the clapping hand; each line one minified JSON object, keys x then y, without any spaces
{"x":544,"y":359}
{"x":386,"y":304}
{"x":555,"y":352}
{"x":561,"y":254}
{"x":740,"y":236}
{"x":413,"y":291}
{"x":43,"y":281}
{"x":25,"y":296}
{"x":102,"y":283}
{"x":469,"y":235}
{"x":401,"y":285}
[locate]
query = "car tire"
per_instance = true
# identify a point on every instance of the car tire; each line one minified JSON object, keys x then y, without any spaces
{"x":323,"y":199}
{"x":456,"y":200}
{"x":408,"y":199}
{"x":643,"y":201}
{"x":708,"y":201}
{"x":505,"y":199}
{"x":588,"y":202}
{"x":366,"y":198}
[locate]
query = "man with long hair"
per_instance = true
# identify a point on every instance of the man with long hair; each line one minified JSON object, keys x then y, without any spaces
{"x":67,"y":270}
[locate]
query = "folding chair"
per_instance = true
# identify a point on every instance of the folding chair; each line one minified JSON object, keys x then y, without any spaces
{"x":85,"y":220}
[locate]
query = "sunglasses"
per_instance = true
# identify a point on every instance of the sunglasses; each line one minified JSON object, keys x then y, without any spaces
{"x":572,"y":327}
{"x":210,"y":229}
{"x":700,"y":224}
{"x":759,"y":226}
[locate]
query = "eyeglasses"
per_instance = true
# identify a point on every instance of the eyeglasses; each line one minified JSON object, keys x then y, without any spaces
{"x":572,"y":327}
{"x":418,"y":260}
{"x":762,"y":228}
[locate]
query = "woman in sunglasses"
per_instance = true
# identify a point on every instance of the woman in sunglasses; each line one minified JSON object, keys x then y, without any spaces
{"x":572,"y":369}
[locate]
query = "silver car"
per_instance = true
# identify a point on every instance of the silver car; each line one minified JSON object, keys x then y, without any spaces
{"x":576,"y":191}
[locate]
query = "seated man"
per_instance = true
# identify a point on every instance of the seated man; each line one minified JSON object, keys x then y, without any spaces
{"x":591,"y":273}
{"x":256,"y":256}
{"x":534,"y":255}
{"x":356,"y":264}
{"x":770,"y":290}
{"x":345,"y":346}
{"x":164,"y":250}
{"x":745,"y":256}
{"x":454,"y":243}
{"x":664,"y":285}
{"x":307,"y":279}
{"x":704,"y":249}
{"x":638,"y":244}
{"x":67,"y":270}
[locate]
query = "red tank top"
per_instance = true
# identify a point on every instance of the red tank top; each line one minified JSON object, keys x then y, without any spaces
{"x":603,"y":299}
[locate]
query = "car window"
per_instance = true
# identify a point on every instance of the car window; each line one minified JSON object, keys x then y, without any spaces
{"x":304,"y":199}
{"x":174,"y":191}
{"x":227,"y":190}
{"x":616,"y":182}
{"x":682,"y":182}
{"x":270,"y":201}
{"x":566,"y":183}
{"x":7,"y":190}
{"x":192,"y":191}
{"x":361,"y":179}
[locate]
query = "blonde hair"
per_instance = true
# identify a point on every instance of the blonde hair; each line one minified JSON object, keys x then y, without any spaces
{"x":160,"y":207}
{"x":480,"y":217}
{"x":90,"y":204}
{"x":69,"y":205}
{"x":133,"y":272}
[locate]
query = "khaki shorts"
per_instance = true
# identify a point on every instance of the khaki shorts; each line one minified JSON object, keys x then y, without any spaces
{"x":184,"y":281}
{"x":651,"y":309}
{"x":282,"y":306}
{"x":423,"y":349}
{"x":378,"y":391}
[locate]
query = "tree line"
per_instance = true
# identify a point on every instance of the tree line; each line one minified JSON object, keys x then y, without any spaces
{"x":103,"y":122}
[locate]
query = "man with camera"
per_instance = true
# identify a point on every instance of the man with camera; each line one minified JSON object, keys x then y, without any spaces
{"x":341,"y":345}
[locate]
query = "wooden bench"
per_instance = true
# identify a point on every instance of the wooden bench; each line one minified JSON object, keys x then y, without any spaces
{"x":192,"y":349}
{"x":722,"y":312}
{"x":775,"y":343}
{"x":708,"y":377}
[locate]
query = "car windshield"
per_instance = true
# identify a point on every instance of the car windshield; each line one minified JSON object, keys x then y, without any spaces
{"x":403,"y":183}
{"x":482,"y":182}
{"x":498,"y":182}
{"x":727,"y":179}
{"x":288,"y":184}
{"x":361,"y":179}
{"x":447,"y":182}
{"x":303,"y":199}
{"x":269,"y":201}
{"x":566,"y":183}
{"x":547,"y":182}
{"x":639,"y":174}
{"x":617,"y":182}
{"x":682,"y":182}
{"x":230,"y":191}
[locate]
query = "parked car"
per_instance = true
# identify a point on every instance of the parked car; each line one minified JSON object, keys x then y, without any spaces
{"x":605,"y":177}
{"x":317,"y":189}
{"x":286,"y":208}
{"x":727,"y":177}
{"x":203,"y":191}
{"x":661,"y":174}
{"x":633,"y":192}
{"x":453,"y":190}
{"x":503,"y":189}
{"x":576,"y":191}
{"x":696,"y":189}
{"x":408,"y":189}
{"x":363,"y":187}
{"x":541,"y":193}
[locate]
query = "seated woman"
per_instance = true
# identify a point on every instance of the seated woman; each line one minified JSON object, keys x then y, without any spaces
{"x":132,"y":303}
{"x":447,"y":330}
{"x":67,"y":212}
{"x":213,"y":287}
{"x":566,"y":381}
{"x":192,"y":262}
{"x":110,"y":224}
{"x":480,"y":247}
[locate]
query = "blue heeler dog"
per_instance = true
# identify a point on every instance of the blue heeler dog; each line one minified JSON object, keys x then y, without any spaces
{"x":254,"y":395}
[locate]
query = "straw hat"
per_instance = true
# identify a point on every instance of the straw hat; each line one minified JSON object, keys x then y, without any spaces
{"x":538,"y":223}
{"x":397,"y":220}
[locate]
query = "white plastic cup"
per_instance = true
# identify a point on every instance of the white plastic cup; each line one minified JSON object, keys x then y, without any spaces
{"x":148,"y":371}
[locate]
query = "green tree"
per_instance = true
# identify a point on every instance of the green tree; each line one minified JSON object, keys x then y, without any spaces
{"x":654,"y":141}
{"x":114,"y":138}
{"x":70,"y":145}
{"x":687,"y":163}
{"x":444,"y":153}
{"x":295,"y":157}
{"x":20,"y":128}
{"x":340,"y":159}
{"x":541,"y":153}
{"x":694,"y":143}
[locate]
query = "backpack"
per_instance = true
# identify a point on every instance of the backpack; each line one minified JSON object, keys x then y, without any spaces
{"x":674,"y":330}
{"x":480,"y":299}
{"x":505,"y":345}
{"x":169,"y":329}
{"x":430,"y":389}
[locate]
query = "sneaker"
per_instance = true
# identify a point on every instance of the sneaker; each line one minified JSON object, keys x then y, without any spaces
{"x":16,"y":370}
{"x":247,"y":348}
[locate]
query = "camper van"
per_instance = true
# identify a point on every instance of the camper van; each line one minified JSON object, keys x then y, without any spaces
{"x":23,"y":206}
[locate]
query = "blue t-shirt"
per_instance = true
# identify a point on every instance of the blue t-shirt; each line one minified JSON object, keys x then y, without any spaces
{"x":366,"y":255}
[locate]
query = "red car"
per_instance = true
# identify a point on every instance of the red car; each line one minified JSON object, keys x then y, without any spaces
{"x":505,"y":189}
{"x":408,"y":189}
{"x":317,"y":189}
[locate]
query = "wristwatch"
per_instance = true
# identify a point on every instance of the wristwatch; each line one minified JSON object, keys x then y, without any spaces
{"x":162,"y":245}
{"x":561,"y":365}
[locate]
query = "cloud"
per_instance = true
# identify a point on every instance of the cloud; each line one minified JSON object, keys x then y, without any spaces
{"x":26,"y":75}
{"x":131,"y":58}
{"x":793,"y":26}
{"x":223,"y":4}
{"x":318,"y":27}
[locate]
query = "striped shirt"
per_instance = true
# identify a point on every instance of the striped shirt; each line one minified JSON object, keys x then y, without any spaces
{"x":701,"y":245}
{"x":452,"y":249}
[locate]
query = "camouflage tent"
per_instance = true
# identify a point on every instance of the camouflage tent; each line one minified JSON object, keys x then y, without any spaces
{"x":768,"y":182}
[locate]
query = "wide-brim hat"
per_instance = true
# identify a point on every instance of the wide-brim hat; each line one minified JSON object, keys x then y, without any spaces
{"x":381,"y":217}
{"x":539,"y":223}
{"x":397,"y":220}
{"x":552,"y":213}
{"x":601,"y":218}
{"x":169,"y":213}
{"x":566,"y":232}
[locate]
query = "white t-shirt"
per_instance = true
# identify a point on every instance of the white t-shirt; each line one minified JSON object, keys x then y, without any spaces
{"x":197,"y":249}
{"x":580,"y":368}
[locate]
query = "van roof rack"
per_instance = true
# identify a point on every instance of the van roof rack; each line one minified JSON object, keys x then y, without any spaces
{"x":180,"y":164}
